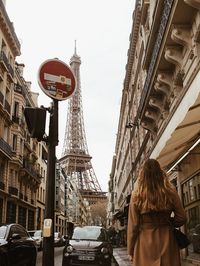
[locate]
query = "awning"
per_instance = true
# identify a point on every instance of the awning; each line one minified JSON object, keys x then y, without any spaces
{"x":184,"y":136}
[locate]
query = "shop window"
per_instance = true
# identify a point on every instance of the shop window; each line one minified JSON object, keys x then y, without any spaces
{"x":191,"y":200}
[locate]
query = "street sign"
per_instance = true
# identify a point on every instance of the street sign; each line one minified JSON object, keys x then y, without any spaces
{"x":56,"y":79}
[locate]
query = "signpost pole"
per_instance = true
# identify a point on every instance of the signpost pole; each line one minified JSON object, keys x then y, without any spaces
{"x":57,"y":81}
{"x":48,"y":242}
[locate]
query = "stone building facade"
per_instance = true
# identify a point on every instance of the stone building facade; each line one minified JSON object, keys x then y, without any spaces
{"x":70,"y":207}
{"x":22,"y":164}
{"x":23,"y":160}
{"x":160,"y":106}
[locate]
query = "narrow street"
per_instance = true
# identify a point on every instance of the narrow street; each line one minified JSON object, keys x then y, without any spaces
{"x":58,"y":257}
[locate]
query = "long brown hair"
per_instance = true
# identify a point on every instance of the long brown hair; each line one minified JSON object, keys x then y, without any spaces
{"x":153,"y":188}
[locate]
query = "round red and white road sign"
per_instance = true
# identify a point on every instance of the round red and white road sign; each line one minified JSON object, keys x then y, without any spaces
{"x":56,"y":79}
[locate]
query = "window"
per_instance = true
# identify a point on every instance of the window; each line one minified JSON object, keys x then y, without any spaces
{"x":16,"y":109}
{"x":2,"y":167}
{"x":191,"y":191}
{"x":14,"y":142}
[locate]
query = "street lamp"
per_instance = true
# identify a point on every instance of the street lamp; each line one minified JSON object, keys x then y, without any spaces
{"x":130,"y":125}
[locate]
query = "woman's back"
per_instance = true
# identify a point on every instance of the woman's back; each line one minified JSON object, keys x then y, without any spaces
{"x":150,"y":237}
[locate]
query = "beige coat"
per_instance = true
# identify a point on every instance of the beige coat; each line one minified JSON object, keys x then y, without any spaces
{"x":150,"y":238}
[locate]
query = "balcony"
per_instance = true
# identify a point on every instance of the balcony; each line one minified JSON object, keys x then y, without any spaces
{"x":11,"y":71}
{"x":19,"y":89}
{"x":5,"y":147}
{"x":30,"y":169}
{"x":13,"y":190}
{"x":4,"y":60}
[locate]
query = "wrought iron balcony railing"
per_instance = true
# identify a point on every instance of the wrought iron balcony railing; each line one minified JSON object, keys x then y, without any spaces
{"x":4,"y":59}
{"x":19,"y":89}
{"x":13,"y":190}
{"x":30,"y":169}
{"x":4,"y":146}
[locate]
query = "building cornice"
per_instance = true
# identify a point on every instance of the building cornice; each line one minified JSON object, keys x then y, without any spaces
{"x":8,"y":30}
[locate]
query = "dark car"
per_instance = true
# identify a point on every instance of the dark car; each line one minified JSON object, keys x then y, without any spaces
{"x":89,"y":245}
{"x":17,"y":248}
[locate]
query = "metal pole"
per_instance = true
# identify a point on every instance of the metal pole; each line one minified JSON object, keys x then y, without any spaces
{"x":48,"y":242}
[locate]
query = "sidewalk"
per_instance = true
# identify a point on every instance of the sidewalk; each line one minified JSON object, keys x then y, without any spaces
{"x":120,"y":255}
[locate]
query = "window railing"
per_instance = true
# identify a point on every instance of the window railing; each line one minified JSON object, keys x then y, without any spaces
{"x":19,"y":89}
{"x":5,"y":147}
{"x":13,"y":190}
{"x":4,"y":58}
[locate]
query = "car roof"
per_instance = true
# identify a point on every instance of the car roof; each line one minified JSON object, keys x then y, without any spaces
{"x":11,"y":224}
{"x":34,"y":230}
{"x":91,"y":226}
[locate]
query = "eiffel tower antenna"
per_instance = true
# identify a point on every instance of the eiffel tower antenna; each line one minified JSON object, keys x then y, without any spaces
{"x":76,"y":160}
{"x":75,"y":47}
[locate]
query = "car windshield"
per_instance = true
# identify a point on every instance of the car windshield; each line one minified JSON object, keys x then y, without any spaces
{"x":31,"y":233}
{"x":88,"y":233}
{"x":3,"y":229}
{"x":38,"y":233}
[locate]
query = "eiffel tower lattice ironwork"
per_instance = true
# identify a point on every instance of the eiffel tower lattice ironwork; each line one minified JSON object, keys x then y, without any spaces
{"x":75,"y":159}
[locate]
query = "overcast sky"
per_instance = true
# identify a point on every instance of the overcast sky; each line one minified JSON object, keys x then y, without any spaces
{"x":47,"y":29}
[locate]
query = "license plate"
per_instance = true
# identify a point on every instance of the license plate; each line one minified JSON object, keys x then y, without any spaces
{"x":85,"y":257}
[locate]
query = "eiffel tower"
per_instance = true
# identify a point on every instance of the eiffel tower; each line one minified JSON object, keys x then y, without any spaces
{"x":75,"y":160}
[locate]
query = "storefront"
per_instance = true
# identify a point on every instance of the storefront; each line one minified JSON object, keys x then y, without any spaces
{"x":181,"y":158}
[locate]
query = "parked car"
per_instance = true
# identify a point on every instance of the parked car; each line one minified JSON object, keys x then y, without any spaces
{"x":90,"y":245}
{"x":37,"y":236}
{"x":59,"y":241}
{"x":16,"y":246}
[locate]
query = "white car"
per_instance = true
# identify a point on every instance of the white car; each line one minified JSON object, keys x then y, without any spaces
{"x":37,"y":236}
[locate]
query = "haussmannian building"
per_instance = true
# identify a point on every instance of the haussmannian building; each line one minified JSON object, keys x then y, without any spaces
{"x":160,"y":109}
{"x":71,"y":209}
{"x":22,"y":159}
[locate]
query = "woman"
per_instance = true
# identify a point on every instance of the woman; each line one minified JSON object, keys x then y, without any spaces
{"x":150,"y":239}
